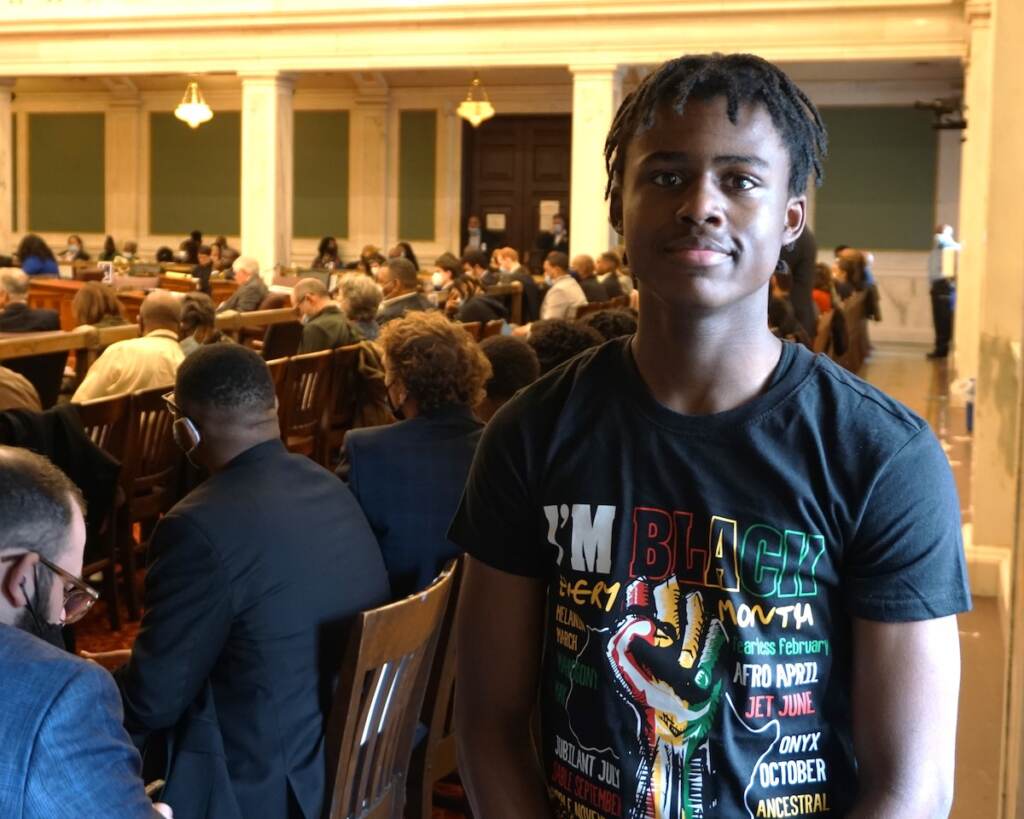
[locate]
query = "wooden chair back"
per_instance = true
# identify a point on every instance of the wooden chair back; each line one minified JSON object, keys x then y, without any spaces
{"x":435,"y":757}
{"x":222,"y":289}
{"x":493,"y":328}
{"x":302,"y":396}
{"x":106,"y":423}
{"x":377,"y":703}
{"x":276,"y":367}
{"x":179,"y":284}
{"x":593,"y":307}
{"x":281,"y":340}
{"x":150,"y":467}
{"x":617,"y":302}
{"x":474,"y":328}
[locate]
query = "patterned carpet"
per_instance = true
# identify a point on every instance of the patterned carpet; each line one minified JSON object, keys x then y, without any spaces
{"x":93,"y":633}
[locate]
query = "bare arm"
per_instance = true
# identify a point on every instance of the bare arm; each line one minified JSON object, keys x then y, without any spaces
{"x":500,"y":639}
{"x":906,"y":680}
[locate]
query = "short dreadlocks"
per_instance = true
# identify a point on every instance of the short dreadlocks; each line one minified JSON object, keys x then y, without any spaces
{"x":741,"y":79}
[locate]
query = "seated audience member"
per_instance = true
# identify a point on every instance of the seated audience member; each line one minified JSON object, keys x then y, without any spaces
{"x":324,"y":325}
{"x":408,"y":477}
{"x":556,"y":341}
{"x":327,"y":257}
{"x":251,"y":287}
{"x":514,"y":365}
{"x":360,"y":297}
{"x":189,"y":249}
{"x":198,"y":323}
{"x":251,"y":581}
{"x":151,"y":360}
{"x":369,"y":259}
{"x":587,"y":272}
{"x":404,"y":250}
{"x":109,"y":251}
{"x":512,"y":271}
{"x":447,"y":268}
{"x":609,"y":273}
{"x":17,"y":392}
{"x":400,"y":286}
{"x":611,"y":323}
{"x":17,"y":316}
{"x":75,"y":250}
{"x":164,"y":255}
{"x":203,"y":268}
{"x":468,"y":302}
{"x":564,"y":294}
{"x":35,"y":257}
{"x":475,"y":265}
{"x":130,"y":252}
{"x":822,"y":292}
{"x":63,"y":749}
{"x":96,"y":304}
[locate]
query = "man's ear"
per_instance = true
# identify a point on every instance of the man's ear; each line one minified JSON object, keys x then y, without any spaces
{"x":796,"y":219}
{"x":19,"y":577}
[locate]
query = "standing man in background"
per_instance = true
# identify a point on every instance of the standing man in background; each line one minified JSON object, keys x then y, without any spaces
{"x":943,"y":289}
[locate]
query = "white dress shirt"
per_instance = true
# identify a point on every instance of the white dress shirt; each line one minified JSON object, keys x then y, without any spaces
{"x":135,"y":364}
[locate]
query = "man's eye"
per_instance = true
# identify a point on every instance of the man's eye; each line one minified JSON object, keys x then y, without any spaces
{"x":667,"y":179}
{"x":742,"y":182}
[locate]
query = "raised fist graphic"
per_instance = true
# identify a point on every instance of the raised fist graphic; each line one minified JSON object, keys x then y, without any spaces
{"x":664,"y":654}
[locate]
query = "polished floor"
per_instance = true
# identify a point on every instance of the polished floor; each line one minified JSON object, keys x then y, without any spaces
{"x":924,"y":386}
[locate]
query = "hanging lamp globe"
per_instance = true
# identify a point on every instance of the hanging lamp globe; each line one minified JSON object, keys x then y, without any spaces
{"x":193,"y":108}
{"x":476,"y":107}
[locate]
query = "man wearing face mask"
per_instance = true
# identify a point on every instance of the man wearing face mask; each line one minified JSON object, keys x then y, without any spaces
{"x":401,"y":287}
{"x":477,"y":239}
{"x":63,"y":750}
{"x":251,"y":581}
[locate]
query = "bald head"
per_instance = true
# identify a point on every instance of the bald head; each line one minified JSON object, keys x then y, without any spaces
{"x":160,"y":311}
{"x":584,"y":266}
{"x":14,"y":283}
{"x":309,"y":287}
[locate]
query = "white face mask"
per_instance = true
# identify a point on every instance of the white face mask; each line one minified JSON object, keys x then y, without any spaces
{"x":437,"y":280}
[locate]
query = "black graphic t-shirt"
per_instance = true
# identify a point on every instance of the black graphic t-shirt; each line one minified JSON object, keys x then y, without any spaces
{"x":703,"y":572}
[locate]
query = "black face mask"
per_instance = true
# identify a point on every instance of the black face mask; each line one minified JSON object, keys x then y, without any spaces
{"x":52,"y":633}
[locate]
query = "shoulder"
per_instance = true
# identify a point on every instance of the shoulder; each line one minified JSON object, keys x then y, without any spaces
{"x":33,"y":670}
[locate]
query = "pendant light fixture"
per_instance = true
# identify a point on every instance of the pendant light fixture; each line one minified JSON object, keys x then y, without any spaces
{"x":476,"y":107}
{"x":193,"y":108}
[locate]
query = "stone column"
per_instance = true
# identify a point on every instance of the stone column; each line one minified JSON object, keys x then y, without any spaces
{"x":7,"y":170}
{"x":267,"y":172}
{"x":974,"y":180}
{"x":368,"y":171}
{"x":124,"y":220}
{"x":596,"y":94}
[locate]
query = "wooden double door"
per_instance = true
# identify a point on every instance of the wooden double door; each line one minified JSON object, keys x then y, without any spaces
{"x":513,"y":166}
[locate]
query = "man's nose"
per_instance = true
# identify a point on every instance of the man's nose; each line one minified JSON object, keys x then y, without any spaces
{"x":701,"y":202}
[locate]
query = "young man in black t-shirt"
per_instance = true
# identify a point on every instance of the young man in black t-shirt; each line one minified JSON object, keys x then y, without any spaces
{"x":730,"y":568}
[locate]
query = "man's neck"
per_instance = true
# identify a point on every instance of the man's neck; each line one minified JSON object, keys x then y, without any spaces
{"x":229,"y":451}
{"x":402,"y":291}
{"x":16,"y":303}
{"x":702,"y":363}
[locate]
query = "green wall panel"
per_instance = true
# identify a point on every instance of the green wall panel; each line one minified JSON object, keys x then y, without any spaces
{"x":879,"y":190}
{"x":417,"y":174}
{"x":195,"y":175}
{"x":321,"y":173}
{"x":66,"y":173}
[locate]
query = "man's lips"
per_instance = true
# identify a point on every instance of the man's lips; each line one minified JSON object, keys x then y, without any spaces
{"x":699,"y":255}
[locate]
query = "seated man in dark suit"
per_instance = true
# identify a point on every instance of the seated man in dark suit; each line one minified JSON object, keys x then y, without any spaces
{"x":408,"y":477}
{"x":593,"y":289}
{"x":401,"y":287}
{"x":512,"y":271}
{"x":251,"y":287}
{"x":63,"y":749}
{"x":204,"y":268}
{"x":252,"y":580}
{"x":325,"y":326}
{"x":17,"y":316}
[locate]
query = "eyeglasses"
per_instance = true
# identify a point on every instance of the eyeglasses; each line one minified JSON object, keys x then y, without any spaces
{"x":79,"y":596}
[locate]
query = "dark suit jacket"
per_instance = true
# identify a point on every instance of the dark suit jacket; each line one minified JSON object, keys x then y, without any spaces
{"x":593,"y":290}
{"x":482,"y":309}
{"x":801,"y":260}
{"x":246,"y":298}
{"x":408,"y":477}
{"x":409,"y":303}
{"x":203,"y":273}
{"x":63,"y":750}
{"x":20,"y":318}
{"x":253,"y":579}
{"x":531,"y":294}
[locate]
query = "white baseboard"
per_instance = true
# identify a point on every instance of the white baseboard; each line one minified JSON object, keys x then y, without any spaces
{"x":989,"y":570}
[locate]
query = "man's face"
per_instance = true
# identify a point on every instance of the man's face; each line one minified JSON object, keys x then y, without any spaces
{"x":549,"y":269}
{"x":242,"y":275}
{"x":386,"y":280}
{"x":557,"y":226}
{"x":70,"y":559}
{"x":474,"y":223}
{"x":704,"y":204}
{"x":303,"y":304}
{"x":204,"y":258}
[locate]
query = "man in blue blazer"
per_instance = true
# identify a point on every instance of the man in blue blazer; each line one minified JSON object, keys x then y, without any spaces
{"x":253,"y":580}
{"x":63,"y":750}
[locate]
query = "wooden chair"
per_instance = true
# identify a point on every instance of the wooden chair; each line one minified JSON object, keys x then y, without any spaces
{"x":222,"y":289}
{"x":276,"y":368}
{"x":281,"y":340}
{"x":149,"y":476}
{"x":377,"y":703}
{"x":106,"y":423}
{"x":474,"y":328}
{"x":593,"y":307}
{"x":302,"y":397}
{"x":435,"y":756}
{"x":179,"y":284}
{"x":493,"y":328}
{"x":618,"y":302}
